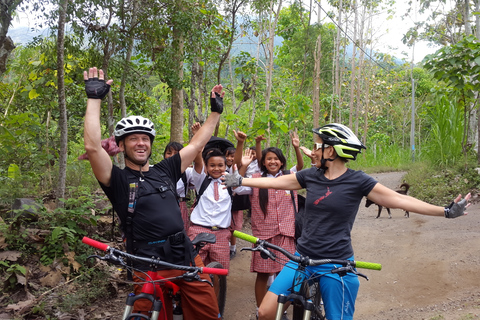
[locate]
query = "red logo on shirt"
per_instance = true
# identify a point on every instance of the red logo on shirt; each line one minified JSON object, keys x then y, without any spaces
{"x":323,"y":197}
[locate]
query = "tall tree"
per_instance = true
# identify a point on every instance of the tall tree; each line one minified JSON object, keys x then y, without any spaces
{"x":7,"y":8}
{"x":63,"y":123}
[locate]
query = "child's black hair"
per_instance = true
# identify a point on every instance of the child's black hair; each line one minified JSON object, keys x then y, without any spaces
{"x":230,"y":150}
{"x":175,"y":146}
{"x":213,"y":152}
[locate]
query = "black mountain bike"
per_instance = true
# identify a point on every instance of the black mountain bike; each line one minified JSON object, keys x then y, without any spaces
{"x":305,"y":291}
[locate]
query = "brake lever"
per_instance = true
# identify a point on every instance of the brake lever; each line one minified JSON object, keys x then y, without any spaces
{"x":264,"y":252}
{"x":110,"y":258}
{"x":342,"y":271}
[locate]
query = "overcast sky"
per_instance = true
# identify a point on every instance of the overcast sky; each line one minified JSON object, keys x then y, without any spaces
{"x":388,"y":36}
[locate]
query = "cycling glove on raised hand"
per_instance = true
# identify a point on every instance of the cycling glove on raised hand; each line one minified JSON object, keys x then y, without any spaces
{"x":96,"y":88}
{"x":216,"y":104}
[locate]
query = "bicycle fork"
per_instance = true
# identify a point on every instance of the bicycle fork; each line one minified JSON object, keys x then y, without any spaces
{"x":307,"y":304}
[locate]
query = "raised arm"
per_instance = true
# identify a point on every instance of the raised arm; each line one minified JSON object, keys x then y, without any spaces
{"x":298,"y":152}
{"x":258,"y":147}
{"x":200,"y":139}
{"x":241,"y":137}
{"x":246,"y":160}
{"x":309,"y":154}
{"x":96,"y":89}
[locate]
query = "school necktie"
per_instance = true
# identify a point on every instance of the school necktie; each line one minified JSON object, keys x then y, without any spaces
{"x":215,"y":190}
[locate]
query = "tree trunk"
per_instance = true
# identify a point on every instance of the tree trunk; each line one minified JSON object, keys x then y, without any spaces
{"x":176,"y":122}
{"x":353,"y":72}
{"x":316,"y":74}
{"x":62,"y":121}
{"x":270,"y":56}
{"x":7,"y":8}
{"x":360,"y":78}
{"x":337,"y":58}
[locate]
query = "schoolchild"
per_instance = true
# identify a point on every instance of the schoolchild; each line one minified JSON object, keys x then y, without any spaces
{"x":237,"y":214}
{"x":212,"y":211}
{"x":185,"y":182}
{"x":273,"y":213}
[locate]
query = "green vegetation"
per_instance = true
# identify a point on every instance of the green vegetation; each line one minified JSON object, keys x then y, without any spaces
{"x":313,"y":79}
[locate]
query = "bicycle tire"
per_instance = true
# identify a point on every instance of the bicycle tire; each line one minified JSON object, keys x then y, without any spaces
{"x":219,"y":286}
{"x":313,"y":293}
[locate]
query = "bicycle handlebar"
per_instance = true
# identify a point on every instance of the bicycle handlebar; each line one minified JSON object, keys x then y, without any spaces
{"x":305,"y":260}
{"x":115,"y":253}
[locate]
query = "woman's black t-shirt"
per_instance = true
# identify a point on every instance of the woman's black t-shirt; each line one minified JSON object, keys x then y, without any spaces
{"x":330,"y":210}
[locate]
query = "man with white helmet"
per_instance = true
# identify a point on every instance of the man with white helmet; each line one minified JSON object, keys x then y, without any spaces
{"x":144,"y":195}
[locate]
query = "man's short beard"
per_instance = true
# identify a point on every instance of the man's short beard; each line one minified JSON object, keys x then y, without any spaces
{"x":136,"y":162}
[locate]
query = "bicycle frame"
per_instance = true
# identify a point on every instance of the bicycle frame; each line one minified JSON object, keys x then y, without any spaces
{"x":303,"y":262}
{"x":152,"y":289}
{"x":153,"y":292}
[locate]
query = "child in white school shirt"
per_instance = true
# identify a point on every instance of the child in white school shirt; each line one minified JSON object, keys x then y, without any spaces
{"x":212,"y":212}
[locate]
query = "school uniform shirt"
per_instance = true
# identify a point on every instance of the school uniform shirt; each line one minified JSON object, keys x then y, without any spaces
{"x":280,"y":218}
{"x":208,"y":212}
{"x":181,"y":186}
{"x":252,"y":169}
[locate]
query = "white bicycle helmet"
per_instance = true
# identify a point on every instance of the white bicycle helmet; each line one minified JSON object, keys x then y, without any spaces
{"x":134,"y":124}
{"x":343,"y":140}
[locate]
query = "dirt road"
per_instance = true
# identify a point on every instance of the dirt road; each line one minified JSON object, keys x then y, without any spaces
{"x":430,"y":266}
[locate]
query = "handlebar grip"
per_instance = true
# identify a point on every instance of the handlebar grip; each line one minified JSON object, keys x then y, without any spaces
{"x":368,"y":265}
{"x":95,"y":244}
{"x":245,"y":236}
{"x":217,"y":271}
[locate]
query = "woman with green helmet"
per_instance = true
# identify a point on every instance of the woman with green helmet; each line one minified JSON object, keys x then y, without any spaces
{"x":334,"y":193}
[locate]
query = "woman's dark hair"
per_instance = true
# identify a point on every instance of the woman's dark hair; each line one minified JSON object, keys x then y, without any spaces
{"x":263,"y":193}
{"x":174,"y":146}
{"x":213,"y":152}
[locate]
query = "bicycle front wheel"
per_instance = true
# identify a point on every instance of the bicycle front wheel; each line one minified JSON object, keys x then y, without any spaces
{"x":313,"y":293}
{"x":219,"y":286}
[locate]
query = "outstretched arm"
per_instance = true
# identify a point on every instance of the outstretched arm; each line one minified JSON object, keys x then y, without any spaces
{"x":200,"y":139}
{"x":388,"y":198}
{"x":99,"y":158}
{"x":285,"y":182}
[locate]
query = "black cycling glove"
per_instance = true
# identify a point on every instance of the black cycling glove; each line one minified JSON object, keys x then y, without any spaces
{"x":455,"y":210}
{"x":216,"y":104}
{"x":96,"y":89}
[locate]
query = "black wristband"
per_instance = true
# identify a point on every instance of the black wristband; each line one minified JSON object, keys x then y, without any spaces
{"x":216,"y":104}
{"x":96,"y":89}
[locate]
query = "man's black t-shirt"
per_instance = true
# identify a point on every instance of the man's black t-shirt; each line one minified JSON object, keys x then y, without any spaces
{"x":330,"y":210}
{"x":157,"y":213}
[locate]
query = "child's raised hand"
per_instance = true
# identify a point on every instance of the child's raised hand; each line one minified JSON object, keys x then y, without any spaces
{"x":240,"y":136}
{"x":307,"y":152}
{"x":247,"y":157}
{"x":295,"y":139}
{"x":260,"y":138}
{"x":195,"y":127}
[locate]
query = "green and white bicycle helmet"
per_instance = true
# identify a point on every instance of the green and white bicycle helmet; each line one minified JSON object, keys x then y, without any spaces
{"x":134,"y":124}
{"x":343,"y":140}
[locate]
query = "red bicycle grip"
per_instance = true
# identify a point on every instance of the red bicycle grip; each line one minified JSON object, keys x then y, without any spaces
{"x":220,"y":272}
{"x":95,"y":244}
